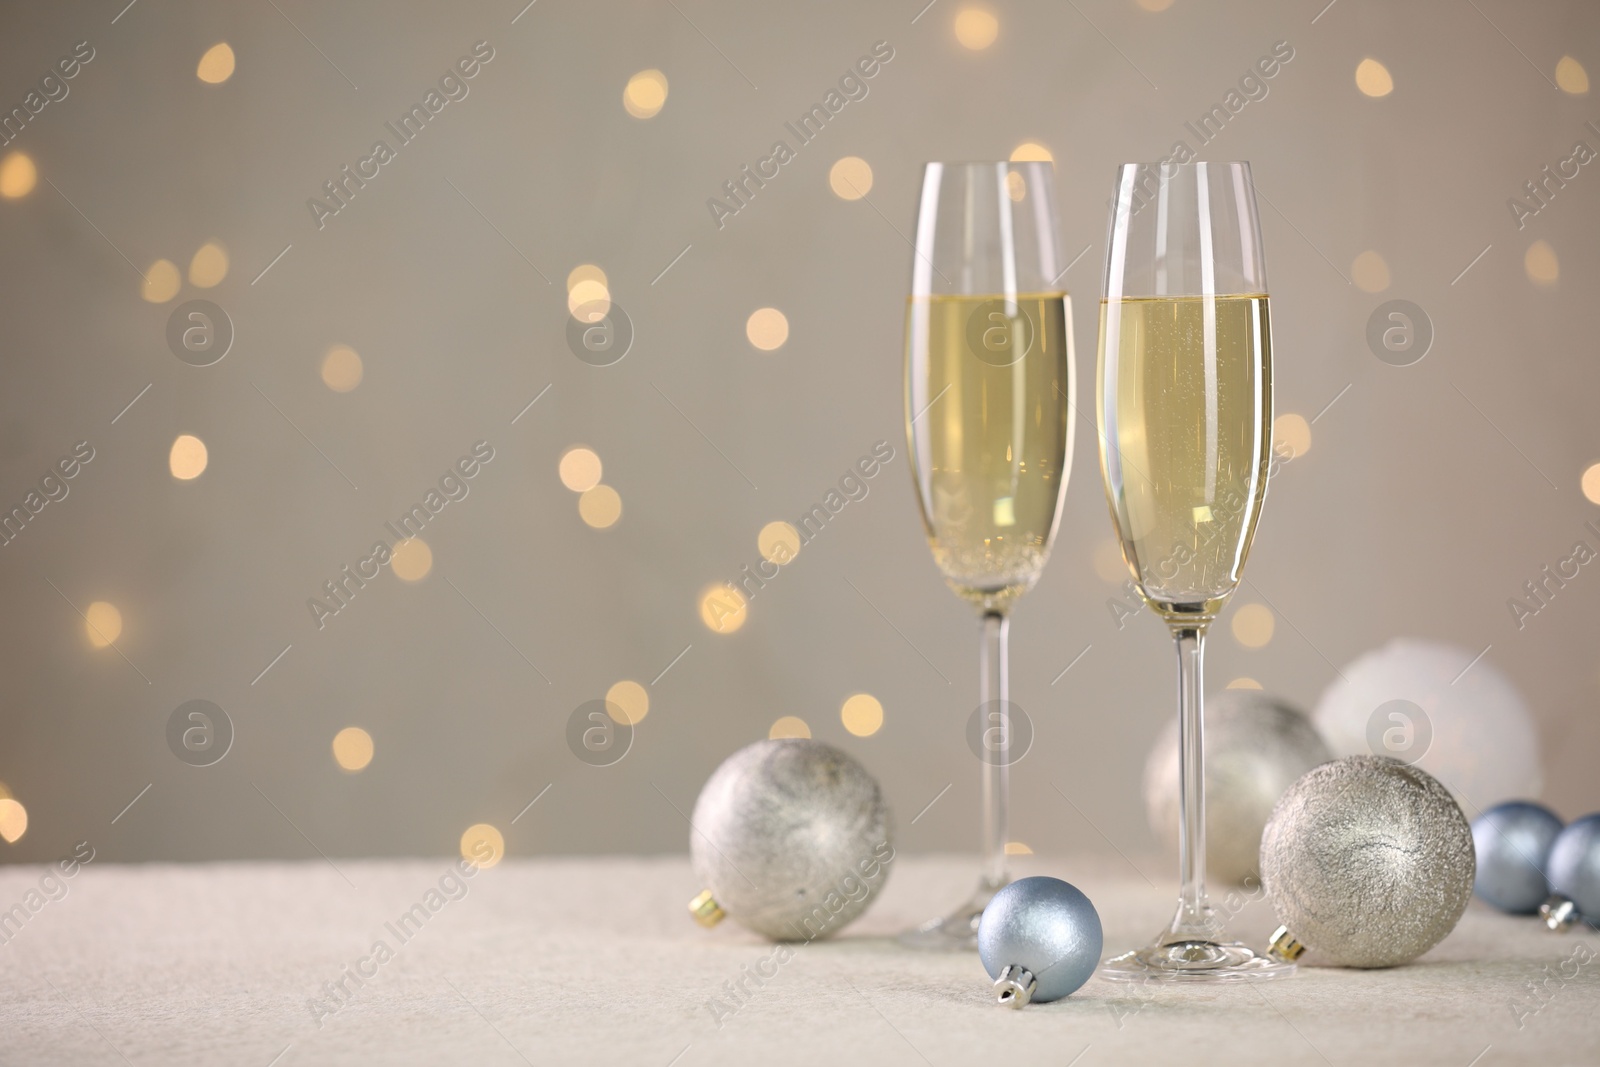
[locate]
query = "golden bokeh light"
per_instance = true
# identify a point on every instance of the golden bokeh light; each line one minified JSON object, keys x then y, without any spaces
{"x":976,"y":28}
{"x":342,"y":369}
{"x":767,"y":328}
{"x":850,"y":178}
{"x":13,"y":820}
{"x":1373,"y":78}
{"x":1291,"y":433}
{"x":589,"y":300}
{"x":778,"y":542}
{"x":1017,"y":848}
{"x":216,"y":66}
{"x":209,"y":265}
{"x":352,"y":749}
{"x":482,"y":845}
{"x":1031,"y":152}
{"x":579,"y":469}
{"x":1253,"y":625}
{"x":1571,"y":76}
{"x":1109,"y":565}
{"x":646,"y":94}
{"x":862,"y":715}
{"x":1244,"y":683}
{"x":586,"y":272}
{"x":411,"y":559}
{"x":600,"y":506}
{"x":1541,"y":263}
{"x":161,"y":282}
{"x":1591,"y":483}
{"x":1370,"y":272}
{"x":188,"y":457}
{"x":103,"y":623}
{"x":789,"y":726}
{"x":1016,"y":185}
{"x":722,"y":608}
{"x":18,"y":175}
{"x":627,"y":702}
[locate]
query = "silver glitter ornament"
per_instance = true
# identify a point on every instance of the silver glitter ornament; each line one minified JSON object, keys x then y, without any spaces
{"x":1256,"y":746}
{"x":1513,"y":842}
{"x":1368,"y":862}
{"x":1039,"y":939}
{"x":792,"y":838}
{"x":1575,"y":871}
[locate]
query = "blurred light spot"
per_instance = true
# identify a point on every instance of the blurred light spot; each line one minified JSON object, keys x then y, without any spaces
{"x":778,"y":542}
{"x":789,"y":726}
{"x":585,"y":272}
{"x":161,"y":282}
{"x":1017,"y":848}
{"x":862,"y":715}
{"x":722,"y":608}
{"x":600,"y":506}
{"x":1571,"y":76}
{"x":352,"y":748}
{"x":1108,"y":563}
{"x":103,"y":623}
{"x":627,"y":702}
{"x":1291,"y":432}
{"x":1244,"y":683}
{"x":188,"y":457}
{"x":1253,"y":625}
{"x":1541,"y":263}
{"x":646,"y":94}
{"x":579,"y":469}
{"x":209,"y":265}
{"x":216,"y":66}
{"x":13,"y":820}
{"x":1373,"y":78}
{"x":1370,"y":272}
{"x":482,"y":845}
{"x":589,"y":300}
{"x":850,"y":178}
{"x":1016,"y":186}
{"x":341,"y":368}
{"x":976,"y":28}
{"x":1031,"y":152}
{"x":1591,"y":483}
{"x":767,"y":328}
{"x":411,"y":559}
{"x":18,"y":175}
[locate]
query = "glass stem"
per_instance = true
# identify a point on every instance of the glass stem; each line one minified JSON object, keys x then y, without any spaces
{"x":1194,"y":909}
{"x":994,"y":696}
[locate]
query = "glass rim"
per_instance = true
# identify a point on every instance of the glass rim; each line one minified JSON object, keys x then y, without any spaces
{"x":970,"y":163}
{"x":1191,"y":163}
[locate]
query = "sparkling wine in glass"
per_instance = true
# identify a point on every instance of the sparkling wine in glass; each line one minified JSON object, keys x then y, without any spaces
{"x":988,"y":403}
{"x":1185,"y":390}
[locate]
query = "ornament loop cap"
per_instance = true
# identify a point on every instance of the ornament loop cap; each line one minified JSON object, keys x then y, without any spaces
{"x":1015,"y":986}
{"x":1285,"y":946}
{"x":705,"y":909}
{"x":1558,"y":912}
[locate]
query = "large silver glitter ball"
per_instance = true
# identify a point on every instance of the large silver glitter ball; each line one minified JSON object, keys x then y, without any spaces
{"x":792,"y":838}
{"x":1368,"y":861}
{"x":1255,"y":746}
{"x":1048,"y":928}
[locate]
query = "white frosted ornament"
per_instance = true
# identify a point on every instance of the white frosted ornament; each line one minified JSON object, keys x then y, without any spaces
{"x":1429,"y":704}
{"x":1256,"y":745}
{"x":791,"y":838}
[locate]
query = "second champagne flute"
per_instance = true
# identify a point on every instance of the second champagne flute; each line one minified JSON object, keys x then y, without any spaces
{"x":989,"y":423}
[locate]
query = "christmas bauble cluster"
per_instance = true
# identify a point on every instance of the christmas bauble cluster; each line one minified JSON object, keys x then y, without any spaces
{"x":1529,"y":862}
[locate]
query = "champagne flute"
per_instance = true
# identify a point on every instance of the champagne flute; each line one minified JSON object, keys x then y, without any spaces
{"x":1185,"y":384}
{"x":989,"y":426}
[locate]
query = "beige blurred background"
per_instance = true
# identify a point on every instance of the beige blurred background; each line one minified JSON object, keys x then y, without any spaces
{"x":1422,"y":499}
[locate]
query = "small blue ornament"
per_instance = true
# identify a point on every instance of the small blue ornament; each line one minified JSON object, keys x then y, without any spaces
{"x":1575,"y":866}
{"x":1513,"y":844}
{"x":1039,"y":939}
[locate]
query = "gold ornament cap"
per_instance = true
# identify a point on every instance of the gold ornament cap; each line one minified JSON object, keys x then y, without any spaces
{"x":1558,"y":912}
{"x":1285,"y":945}
{"x":705,"y":909}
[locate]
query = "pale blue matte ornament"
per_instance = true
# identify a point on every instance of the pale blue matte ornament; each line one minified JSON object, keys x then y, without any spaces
{"x":1575,"y":866}
{"x":1039,"y":939}
{"x":1513,"y":843}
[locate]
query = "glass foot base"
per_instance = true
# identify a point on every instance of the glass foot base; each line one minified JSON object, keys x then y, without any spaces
{"x":956,"y":932}
{"x":1194,"y":961}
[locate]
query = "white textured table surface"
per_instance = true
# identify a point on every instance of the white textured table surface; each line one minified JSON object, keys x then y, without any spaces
{"x":560,"y":961}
